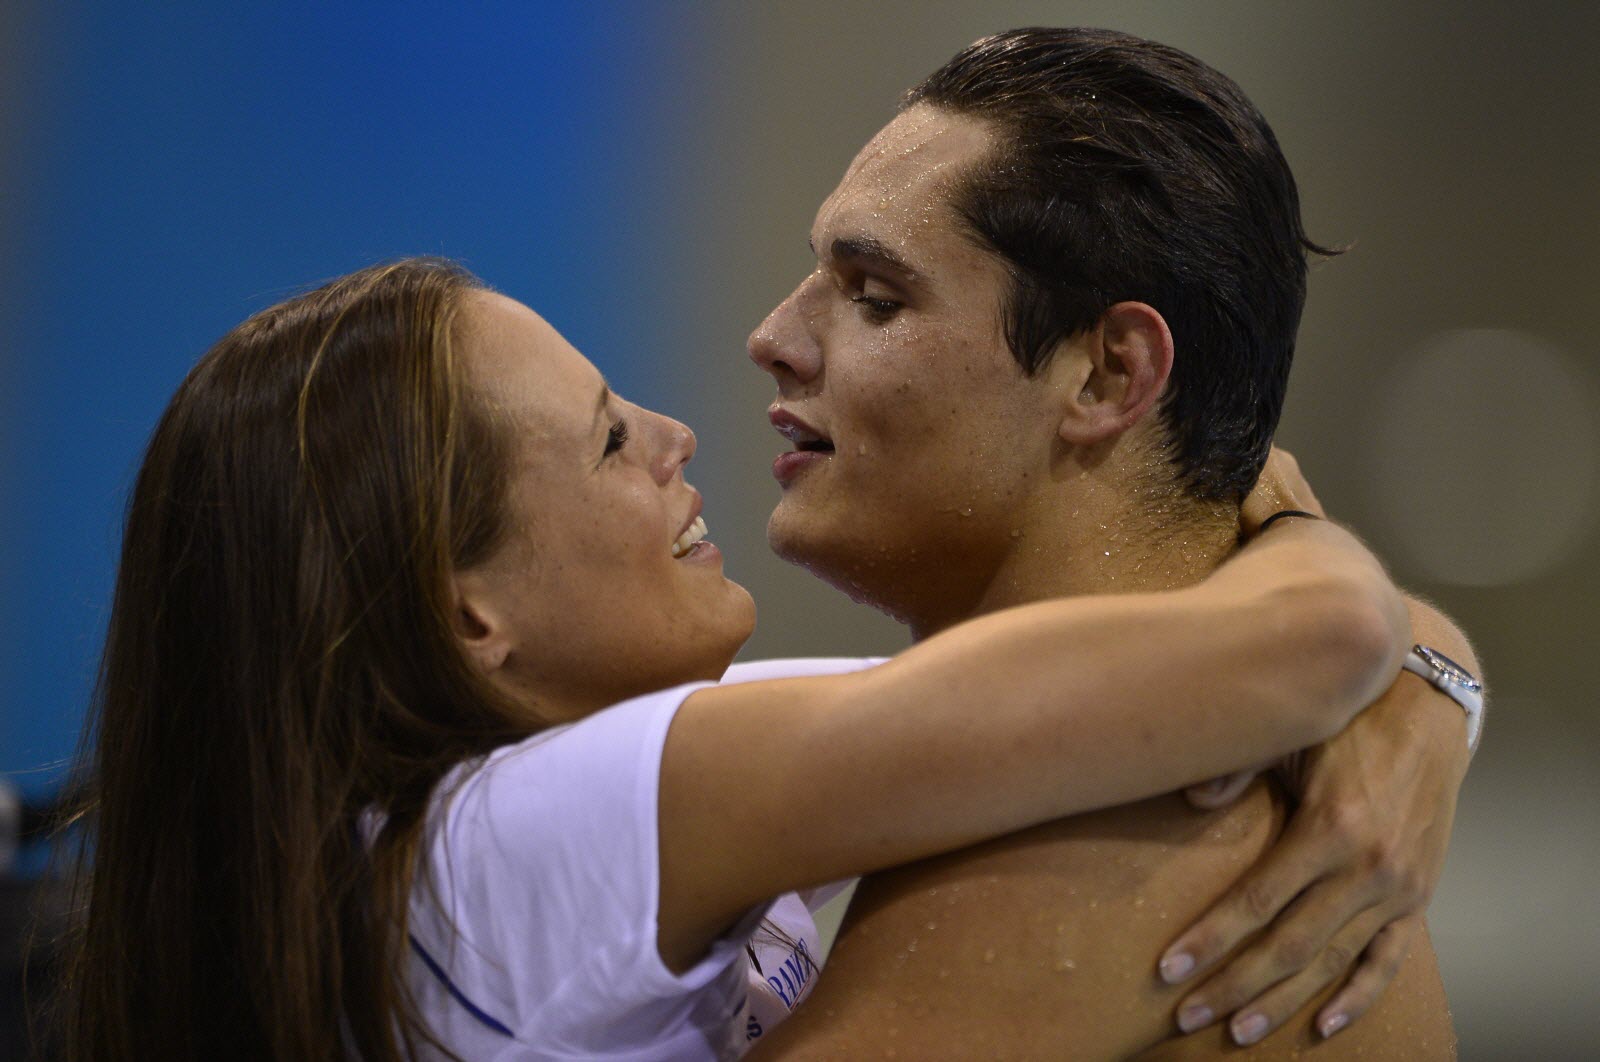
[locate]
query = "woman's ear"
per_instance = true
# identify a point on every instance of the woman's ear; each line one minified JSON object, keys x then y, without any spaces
{"x":1129,"y":359}
{"x":478,"y":624}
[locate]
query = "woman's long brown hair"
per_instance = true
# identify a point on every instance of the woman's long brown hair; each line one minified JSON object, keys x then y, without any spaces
{"x":280,"y":660}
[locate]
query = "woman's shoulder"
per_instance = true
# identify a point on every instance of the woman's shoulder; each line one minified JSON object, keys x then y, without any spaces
{"x":596,"y":766}
{"x":797,"y":667}
{"x":628,"y":734}
{"x":580,"y":786}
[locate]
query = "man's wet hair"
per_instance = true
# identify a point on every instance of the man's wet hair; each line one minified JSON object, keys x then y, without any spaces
{"x":1129,"y":170}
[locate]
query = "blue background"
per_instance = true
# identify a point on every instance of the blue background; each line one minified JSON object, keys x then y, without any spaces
{"x":172,"y":172}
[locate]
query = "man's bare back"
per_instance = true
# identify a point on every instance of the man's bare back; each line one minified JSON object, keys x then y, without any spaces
{"x":1042,"y":945}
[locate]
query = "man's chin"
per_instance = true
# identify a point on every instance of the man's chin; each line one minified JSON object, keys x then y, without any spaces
{"x":801,"y":536}
{"x":832,"y":557}
{"x":785,"y":535}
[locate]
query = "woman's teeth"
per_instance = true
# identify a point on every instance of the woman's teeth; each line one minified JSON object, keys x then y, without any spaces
{"x":696,"y":532}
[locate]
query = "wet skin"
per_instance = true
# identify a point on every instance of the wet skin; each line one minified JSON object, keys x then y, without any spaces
{"x":940,"y":482}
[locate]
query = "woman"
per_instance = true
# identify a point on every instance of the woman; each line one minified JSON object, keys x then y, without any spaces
{"x":410,"y":739}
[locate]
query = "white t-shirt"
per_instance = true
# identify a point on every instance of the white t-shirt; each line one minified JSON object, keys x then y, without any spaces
{"x":533,"y":918}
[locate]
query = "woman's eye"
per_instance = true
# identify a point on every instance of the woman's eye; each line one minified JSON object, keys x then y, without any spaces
{"x":616,"y":437}
{"x":875,"y":309}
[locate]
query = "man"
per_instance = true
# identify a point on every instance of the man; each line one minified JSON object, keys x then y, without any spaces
{"x":1044,"y":352}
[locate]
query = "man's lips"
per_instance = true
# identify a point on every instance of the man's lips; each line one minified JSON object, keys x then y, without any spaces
{"x":811,"y":446}
{"x":805,"y":437}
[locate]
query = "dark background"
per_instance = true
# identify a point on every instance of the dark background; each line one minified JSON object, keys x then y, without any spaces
{"x":645,"y":174}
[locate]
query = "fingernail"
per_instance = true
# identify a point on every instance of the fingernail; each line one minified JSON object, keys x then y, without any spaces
{"x":1249,"y":1028}
{"x":1332,"y":1024}
{"x":1194,"y":1017}
{"x":1176,"y":967}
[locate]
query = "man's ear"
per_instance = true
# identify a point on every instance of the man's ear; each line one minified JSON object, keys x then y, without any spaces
{"x":477,"y":623}
{"x":1129,"y":359}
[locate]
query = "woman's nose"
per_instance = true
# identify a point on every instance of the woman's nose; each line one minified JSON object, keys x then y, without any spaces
{"x":676,"y":447}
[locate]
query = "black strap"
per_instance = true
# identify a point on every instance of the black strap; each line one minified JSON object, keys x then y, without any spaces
{"x":1283,"y":513}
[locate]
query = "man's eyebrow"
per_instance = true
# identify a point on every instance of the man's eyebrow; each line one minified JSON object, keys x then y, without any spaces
{"x":869,"y":250}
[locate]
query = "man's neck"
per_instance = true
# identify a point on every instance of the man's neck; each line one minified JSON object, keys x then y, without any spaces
{"x":1122,"y":544}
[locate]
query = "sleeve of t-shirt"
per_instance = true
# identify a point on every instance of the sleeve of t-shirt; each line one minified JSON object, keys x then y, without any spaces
{"x":553,"y":852}
{"x":553,"y":867}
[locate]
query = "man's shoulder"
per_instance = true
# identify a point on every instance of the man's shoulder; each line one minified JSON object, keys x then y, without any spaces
{"x":1051,"y":934}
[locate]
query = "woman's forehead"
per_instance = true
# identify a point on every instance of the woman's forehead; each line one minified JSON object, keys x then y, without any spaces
{"x":521,"y":364}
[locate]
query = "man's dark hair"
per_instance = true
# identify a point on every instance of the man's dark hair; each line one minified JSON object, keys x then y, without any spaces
{"x":1128,"y":170}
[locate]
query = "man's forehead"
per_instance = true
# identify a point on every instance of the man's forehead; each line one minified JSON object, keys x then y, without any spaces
{"x":895,"y":189}
{"x":918,"y":145}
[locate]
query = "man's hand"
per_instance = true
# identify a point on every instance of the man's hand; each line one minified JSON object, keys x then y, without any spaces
{"x":1348,"y":881}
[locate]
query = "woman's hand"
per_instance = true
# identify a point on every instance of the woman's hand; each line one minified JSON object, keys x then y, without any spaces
{"x":1280,"y":486}
{"x":1343,"y":890}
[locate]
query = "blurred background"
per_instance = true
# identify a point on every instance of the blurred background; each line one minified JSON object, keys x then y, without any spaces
{"x":644,"y":174}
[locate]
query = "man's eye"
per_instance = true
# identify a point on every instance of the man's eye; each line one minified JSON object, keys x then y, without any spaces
{"x":616,"y":437}
{"x":875,"y":309}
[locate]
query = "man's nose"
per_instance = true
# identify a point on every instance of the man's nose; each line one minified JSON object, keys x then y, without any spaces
{"x":785,"y":345}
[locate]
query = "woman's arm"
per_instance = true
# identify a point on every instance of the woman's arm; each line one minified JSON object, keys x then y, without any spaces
{"x":1014,"y":719}
{"x":1347,"y":883}
{"x":1360,"y":859}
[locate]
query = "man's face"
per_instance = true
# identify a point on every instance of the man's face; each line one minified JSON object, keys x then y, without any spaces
{"x":918,"y":439}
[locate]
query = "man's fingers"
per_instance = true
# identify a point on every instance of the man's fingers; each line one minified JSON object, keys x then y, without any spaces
{"x":1252,"y":902}
{"x":1378,"y":967}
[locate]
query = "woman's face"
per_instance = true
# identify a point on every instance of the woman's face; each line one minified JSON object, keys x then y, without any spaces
{"x":591,"y":596}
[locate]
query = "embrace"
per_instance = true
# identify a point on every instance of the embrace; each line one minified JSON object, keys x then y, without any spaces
{"x":418,"y":732}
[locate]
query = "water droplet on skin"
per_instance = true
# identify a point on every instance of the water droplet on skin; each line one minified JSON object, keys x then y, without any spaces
{"x":988,"y":956}
{"x":1016,"y":532}
{"x":1063,"y":965}
{"x":862,"y":450}
{"x":967,"y":511}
